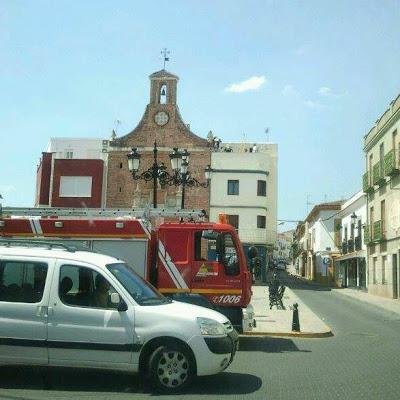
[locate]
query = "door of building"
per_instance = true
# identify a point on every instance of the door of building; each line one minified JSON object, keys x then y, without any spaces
{"x":352,"y":272}
{"x":362,"y":274}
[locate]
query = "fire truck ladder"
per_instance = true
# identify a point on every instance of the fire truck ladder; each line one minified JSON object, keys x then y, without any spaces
{"x":144,"y":213}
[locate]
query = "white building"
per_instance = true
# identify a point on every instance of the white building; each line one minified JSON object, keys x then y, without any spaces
{"x":244,"y":187}
{"x":350,"y":266}
{"x":78,"y":148}
{"x":319,"y":244}
{"x":381,"y":182}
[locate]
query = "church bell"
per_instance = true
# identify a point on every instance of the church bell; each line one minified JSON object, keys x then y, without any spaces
{"x":163,"y":92}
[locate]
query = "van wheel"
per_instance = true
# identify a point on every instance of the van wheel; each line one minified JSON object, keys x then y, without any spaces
{"x":170,"y":368}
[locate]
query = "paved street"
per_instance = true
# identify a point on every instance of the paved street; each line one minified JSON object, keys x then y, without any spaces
{"x":362,"y":361}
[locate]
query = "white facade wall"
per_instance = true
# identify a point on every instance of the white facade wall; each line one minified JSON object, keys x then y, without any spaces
{"x":322,"y":231}
{"x":78,"y":148}
{"x":322,"y":242}
{"x":384,"y":253}
{"x":247,"y":168}
{"x":350,"y":267}
{"x":356,"y":204}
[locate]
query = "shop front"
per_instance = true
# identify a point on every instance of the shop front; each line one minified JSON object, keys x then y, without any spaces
{"x":350,"y":270}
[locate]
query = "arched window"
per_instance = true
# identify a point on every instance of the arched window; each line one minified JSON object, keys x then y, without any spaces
{"x":163,"y":94}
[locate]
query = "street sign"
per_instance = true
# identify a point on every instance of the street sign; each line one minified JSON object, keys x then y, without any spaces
{"x":326,"y":260}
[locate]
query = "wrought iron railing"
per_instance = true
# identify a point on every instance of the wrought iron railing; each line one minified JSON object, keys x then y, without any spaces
{"x":378,"y":174}
{"x":350,"y":245}
{"x":378,"y":233}
{"x":390,"y":163}
{"x":367,"y":236}
{"x":357,"y":243}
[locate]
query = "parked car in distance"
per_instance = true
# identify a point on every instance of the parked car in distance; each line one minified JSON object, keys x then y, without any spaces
{"x":61,"y":307}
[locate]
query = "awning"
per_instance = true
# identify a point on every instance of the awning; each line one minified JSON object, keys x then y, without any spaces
{"x":354,"y":254}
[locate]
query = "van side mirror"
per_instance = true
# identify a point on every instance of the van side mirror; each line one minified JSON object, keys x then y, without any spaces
{"x":122,"y":306}
{"x":118,"y":302}
{"x":115,"y":299}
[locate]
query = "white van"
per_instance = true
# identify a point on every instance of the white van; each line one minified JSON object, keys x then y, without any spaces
{"x":61,"y":307}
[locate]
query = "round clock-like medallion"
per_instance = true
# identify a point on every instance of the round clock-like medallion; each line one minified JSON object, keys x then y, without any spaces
{"x":161,"y":118}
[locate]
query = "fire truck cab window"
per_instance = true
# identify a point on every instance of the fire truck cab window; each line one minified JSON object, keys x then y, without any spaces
{"x":205,"y":248}
{"x":231,"y":260}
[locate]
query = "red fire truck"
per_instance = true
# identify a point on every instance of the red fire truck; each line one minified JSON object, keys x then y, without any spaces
{"x":197,"y":262}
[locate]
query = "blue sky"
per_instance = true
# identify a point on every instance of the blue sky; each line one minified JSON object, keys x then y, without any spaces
{"x":322,"y":72}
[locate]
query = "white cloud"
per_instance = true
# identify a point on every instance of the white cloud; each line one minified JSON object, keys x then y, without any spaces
{"x":251,"y":84}
{"x":290,"y":91}
{"x":325,"y":91}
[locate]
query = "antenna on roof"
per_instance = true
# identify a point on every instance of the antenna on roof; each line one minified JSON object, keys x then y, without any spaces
{"x":244,"y":138}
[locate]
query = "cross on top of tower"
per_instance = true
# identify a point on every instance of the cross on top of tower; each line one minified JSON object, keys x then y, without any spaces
{"x":165,"y":54}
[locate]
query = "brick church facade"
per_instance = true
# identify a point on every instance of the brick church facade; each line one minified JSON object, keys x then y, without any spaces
{"x":163,"y":124}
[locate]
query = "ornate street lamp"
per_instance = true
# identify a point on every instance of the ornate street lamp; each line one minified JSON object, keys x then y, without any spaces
{"x":158,"y":172}
{"x":353,"y":218}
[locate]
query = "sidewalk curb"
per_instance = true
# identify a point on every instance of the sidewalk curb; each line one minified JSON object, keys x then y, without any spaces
{"x":311,"y":335}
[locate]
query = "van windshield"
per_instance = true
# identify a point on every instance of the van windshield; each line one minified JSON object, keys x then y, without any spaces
{"x":141,"y":291}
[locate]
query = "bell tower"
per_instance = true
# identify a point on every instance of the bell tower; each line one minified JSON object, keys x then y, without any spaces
{"x":163,"y":87}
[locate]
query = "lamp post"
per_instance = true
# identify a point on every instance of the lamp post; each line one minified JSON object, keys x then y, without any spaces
{"x":181,"y":176}
{"x":353,"y":218}
{"x":158,"y":172}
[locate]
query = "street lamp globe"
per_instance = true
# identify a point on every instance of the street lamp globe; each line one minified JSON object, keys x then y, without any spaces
{"x":208,"y":172}
{"x":184,"y":167}
{"x":185,"y":155}
{"x":176,"y":159}
{"x":353,"y":218}
{"x":133,"y":160}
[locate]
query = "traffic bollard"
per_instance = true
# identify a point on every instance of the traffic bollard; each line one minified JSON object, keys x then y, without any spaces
{"x":295,"y":321}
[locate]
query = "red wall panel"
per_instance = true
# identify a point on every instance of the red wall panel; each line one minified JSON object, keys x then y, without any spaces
{"x":43,"y":175}
{"x":78,"y":167}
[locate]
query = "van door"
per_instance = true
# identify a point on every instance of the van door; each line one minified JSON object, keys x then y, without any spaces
{"x":24,"y":296}
{"x":84,"y":328}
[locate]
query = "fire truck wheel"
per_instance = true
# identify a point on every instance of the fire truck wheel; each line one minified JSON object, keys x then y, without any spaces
{"x":171,"y":368}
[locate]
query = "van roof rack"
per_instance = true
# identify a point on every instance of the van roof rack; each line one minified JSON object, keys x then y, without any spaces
{"x":38,"y":243}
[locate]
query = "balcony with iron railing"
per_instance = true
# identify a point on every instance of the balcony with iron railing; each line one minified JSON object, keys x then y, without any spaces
{"x":367,"y":186}
{"x":367,"y":235}
{"x":350,"y":245}
{"x":357,"y":243}
{"x":391,"y":163}
{"x":378,"y":177}
{"x":378,"y":231}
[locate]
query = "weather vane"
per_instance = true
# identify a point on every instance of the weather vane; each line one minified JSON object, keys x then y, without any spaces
{"x":165,"y":54}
